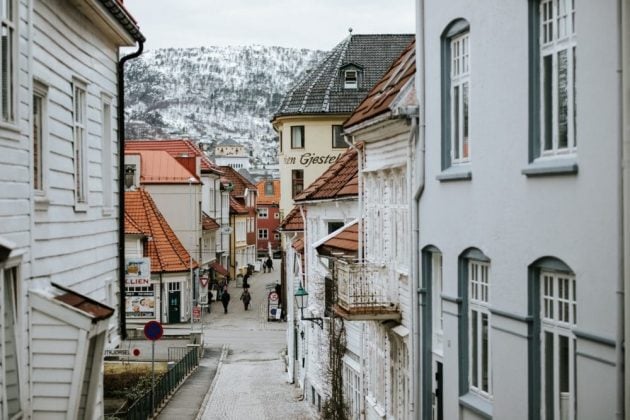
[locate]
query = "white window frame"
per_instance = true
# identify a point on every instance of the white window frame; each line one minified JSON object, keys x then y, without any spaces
{"x":557,"y":35}
{"x":479,"y":305}
{"x":352,"y":387}
{"x":79,"y":121}
{"x":265,"y":234}
{"x":263,"y":212}
{"x":107,"y":139}
{"x":558,"y":315}
{"x":377,"y":359}
{"x":302,"y":130}
{"x":351,"y":79}
{"x":399,"y":374}
{"x":437,"y":317}
{"x":8,"y":107}
{"x":241,"y":230}
{"x":39,"y":125}
{"x":460,"y":108}
{"x":14,"y":266}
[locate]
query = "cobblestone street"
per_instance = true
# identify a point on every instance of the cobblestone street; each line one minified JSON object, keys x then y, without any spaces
{"x":250,"y":382}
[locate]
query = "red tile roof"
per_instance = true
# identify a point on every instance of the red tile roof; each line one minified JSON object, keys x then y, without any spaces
{"x":96,"y":310}
{"x":174,"y":148}
{"x":298,"y":245}
{"x":346,"y":241}
{"x":131,"y":227}
{"x":239,"y":182}
{"x":164,"y":248}
{"x":236,"y":207}
{"x":268,"y":199}
{"x":292,"y":221}
{"x":338,"y":181}
{"x":387,"y":89}
{"x":208,"y":223}
{"x":158,"y":167}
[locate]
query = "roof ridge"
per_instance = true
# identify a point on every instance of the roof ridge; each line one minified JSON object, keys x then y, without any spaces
{"x":326,"y":102}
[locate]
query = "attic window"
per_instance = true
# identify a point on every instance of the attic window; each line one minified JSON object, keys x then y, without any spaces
{"x":351,"y":79}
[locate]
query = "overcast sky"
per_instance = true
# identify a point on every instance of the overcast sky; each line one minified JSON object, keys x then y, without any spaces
{"x":315,"y":24}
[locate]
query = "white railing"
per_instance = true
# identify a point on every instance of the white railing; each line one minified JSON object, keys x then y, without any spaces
{"x":363,"y":287}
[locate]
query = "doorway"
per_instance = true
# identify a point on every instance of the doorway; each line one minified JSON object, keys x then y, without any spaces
{"x":174,"y":302}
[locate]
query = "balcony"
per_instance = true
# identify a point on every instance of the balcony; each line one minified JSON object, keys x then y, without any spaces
{"x":366,"y":291}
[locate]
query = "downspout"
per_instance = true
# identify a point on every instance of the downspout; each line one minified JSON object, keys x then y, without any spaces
{"x":623,"y":327}
{"x":415,"y":210}
{"x":291,"y":322}
{"x":121,"y":184}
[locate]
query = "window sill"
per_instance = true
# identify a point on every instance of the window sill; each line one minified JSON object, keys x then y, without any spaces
{"x":455,"y":173}
{"x":551,"y":167}
{"x":14,"y":127}
{"x":476,"y":403}
{"x":108,"y":211}
{"x":41,"y":203}
{"x":80,"y":207}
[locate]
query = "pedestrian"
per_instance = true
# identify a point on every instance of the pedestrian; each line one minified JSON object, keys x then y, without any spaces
{"x":246,"y":298}
{"x":225,"y":299}
{"x":245,"y":283}
{"x":269,"y":264}
{"x":264,"y":266}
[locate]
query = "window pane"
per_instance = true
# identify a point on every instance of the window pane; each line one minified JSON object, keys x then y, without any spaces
{"x":484,"y":354}
{"x":563,"y":99}
{"x":548,"y":375}
{"x":547,"y":103}
{"x":465,"y":120}
{"x":456,"y":122}
{"x":37,"y":139}
{"x":474,"y":340}
{"x":574,"y":102}
{"x":564,"y":363}
{"x":7,"y":74}
{"x":10,"y":356}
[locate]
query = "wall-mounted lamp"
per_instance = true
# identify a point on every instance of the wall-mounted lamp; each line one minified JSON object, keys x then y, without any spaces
{"x":302,"y":300}
{"x":130,"y":175}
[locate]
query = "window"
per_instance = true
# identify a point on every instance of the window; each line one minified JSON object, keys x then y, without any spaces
{"x":350,"y":79}
{"x":39,"y":132}
{"x":276,"y":215}
{"x":10,"y":315}
{"x":263,"y":234}
{"x":556,"y":67}
{"x":333,"y":226}
{"x":399,"y":371}
{"x":437,"y":317}
{"x":80,"y":144}
{"x":377,"y":358}
{"x":456,"y":70}
{"x":297,"y":182}
{"x":276,"y":236}
{"x":475,"y":374}
{"x":337,"y":137}
{"x":263,"y":212}
{"x":352,"y":387}
{"x":280,"y":141}
{"x":269,"y":190}
{"x":8,"y":81}
{"x":106,"y":150}
{"x":297,"y":137}
{"x":479,"y":327}
{"x":553,"y":308}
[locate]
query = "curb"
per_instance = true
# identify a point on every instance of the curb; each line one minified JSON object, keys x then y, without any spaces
{"x":204,"y":403}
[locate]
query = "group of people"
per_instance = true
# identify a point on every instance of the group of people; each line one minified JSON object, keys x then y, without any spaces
{"x":246,"y":296}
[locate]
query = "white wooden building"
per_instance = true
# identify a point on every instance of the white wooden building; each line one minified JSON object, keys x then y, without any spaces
{"x":58,"y":203}
{"x":377,"y":287}
{"x":522,"y":214}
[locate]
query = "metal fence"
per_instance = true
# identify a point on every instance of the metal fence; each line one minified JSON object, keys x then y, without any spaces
{"x":164,"y":385}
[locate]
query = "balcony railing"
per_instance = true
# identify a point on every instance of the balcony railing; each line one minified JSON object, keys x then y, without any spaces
{"x":366,"y":291}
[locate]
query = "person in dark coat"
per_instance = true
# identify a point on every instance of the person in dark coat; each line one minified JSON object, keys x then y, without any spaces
{"x":225,"y":299}
{"x":269,"y":264}
{"x":246,"y":297}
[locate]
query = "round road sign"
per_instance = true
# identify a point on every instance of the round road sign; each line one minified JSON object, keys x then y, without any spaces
{"x":153,"y":330}
{"x":136,"y":352}
{"x":273,"y":297}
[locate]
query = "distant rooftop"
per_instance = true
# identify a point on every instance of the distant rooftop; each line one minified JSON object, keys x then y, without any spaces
{"x":322,"y":90}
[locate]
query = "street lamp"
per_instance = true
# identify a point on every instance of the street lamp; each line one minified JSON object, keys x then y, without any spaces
{"x":301,"y":296}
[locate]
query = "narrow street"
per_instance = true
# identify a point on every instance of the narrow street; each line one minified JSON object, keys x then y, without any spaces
{"x":250,"y":380}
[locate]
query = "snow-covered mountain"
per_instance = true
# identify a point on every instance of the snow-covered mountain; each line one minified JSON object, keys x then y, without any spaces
{"x":212,"y":93}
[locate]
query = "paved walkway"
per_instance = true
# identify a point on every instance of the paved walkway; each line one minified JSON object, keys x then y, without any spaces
{"x":249,"y":380}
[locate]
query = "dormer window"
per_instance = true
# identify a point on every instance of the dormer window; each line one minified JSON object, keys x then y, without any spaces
{"x":351,"y":80}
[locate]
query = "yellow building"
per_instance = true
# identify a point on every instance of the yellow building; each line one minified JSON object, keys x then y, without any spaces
{"x":310,"y":118}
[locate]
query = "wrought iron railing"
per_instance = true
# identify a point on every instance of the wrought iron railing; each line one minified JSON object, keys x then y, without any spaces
{"x":164,"y":386}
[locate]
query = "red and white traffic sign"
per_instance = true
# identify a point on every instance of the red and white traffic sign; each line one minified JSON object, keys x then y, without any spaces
{"x":153,"y":330}
{"x":196,"y":312}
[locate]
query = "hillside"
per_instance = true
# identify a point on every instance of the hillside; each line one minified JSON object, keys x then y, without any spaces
{"x":212,"y":93}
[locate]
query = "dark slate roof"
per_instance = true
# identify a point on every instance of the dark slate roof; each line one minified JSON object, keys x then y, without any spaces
{"x":229,"y":142}
{"x":321,"y":90}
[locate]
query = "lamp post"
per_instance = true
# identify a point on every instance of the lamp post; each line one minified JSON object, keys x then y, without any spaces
{"x":301,"y":296}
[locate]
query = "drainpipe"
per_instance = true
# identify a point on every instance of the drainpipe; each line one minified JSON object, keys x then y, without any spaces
{"x":291,"y":322}
{"x":121,"y":184}
{"x":623,"y":327}
{"x":415,"y":210}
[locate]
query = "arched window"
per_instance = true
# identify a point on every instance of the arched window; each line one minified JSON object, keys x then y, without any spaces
{"x":553,"y":309}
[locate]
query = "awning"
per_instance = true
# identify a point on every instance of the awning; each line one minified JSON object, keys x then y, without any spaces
{"x":218,"y":268}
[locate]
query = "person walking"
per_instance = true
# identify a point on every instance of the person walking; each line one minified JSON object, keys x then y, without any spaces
{"x":225,"y":299}
{"x":269,"y":264}
{"x":246,"y":297}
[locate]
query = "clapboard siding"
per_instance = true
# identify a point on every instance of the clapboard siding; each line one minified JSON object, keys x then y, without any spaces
{"x":354,"y":336}
{"x":386,"y":153}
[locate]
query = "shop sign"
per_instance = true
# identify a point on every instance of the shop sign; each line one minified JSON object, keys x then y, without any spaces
{"x":140,"y":304}
{"x":137,"y":269}
{"x":308,"y":159}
